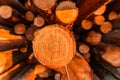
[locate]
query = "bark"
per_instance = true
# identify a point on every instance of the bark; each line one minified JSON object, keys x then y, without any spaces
{"x":97,"y":59}
{"x":15,"y":4}
{"x":86,"y":7}
{"x":12,"y":71}
{"x":12,"y":14}
{"x":9,"y":41}
{"x":112,"y":37}
{"x":10,"y":58}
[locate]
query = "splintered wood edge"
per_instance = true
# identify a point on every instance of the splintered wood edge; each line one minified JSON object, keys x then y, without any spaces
{"x":54,"y":39}
{"x":5,"y":11}
{"x":66,"y":12}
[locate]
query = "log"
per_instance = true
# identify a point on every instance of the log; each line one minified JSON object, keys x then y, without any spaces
{"x":106,"y":27}
{"x":112,"y":37}
{"x":97,"y":59}
{"x":9,"y":41}
{"x":63,"y":9}
{"x":29,"y":16}
{"x":98,"y":20}
{"x":86,"y":7}
{"x":31,"y":71}
{"x":29,"y":75}
{"x":112,"y":9}
{"x":95,"y":77}
{"x":6,"y":29}
{"x":9,"y":13}
{"x":83,"y":48}
{"x":39,"y":21}
{"x":49,"y":37}
{"x":6,"y":23}
{"x":93,"y":38}
{"x":42,"y":71}
{"x":23,"y":50}
{"x":15,"y":4}
{"x":10,"y":58}
{"x":112,"y":15}
{"x":12,"y":71}
{"x":29,"y":34}
{"x":58,"y":41}
{"x":20,"y":28}
{"x":102,"y":73}
{"x":77,"y":69}
{"x":44,"y":5}
{"x":111,"y":54}
{"x":26,"y":73}
{"x":115,"y":23}
{"x":86,"y":24}
{"x":57,"y":76}
{"x":87,"y":57}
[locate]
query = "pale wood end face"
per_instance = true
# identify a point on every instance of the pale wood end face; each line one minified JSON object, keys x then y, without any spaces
{"x":54,"y":46}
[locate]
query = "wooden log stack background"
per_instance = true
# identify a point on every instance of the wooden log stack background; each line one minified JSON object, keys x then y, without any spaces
{"x":59,"y":39}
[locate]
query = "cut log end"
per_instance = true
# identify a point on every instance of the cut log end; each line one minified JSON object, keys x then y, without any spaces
{"x":86,"y":24}
{"x":19,"y":28}
{"x":5,"y":11}
{"x":111,"y":55}
{"x":83,"y":48}
{"x":106,"y":27}
{"x":66,"y":12}
{"x":29,"y":16}
{"x":44,"y":4}
{"x":99,"y":19}
{"x":39,"y":21}
{"x":53,"y":45}
{"x":112,"y":15}
{"x":57,"y":76}
{"x":94,"y":38}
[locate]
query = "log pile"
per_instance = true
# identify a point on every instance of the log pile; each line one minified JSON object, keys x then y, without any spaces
{"x":59,"y":40}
